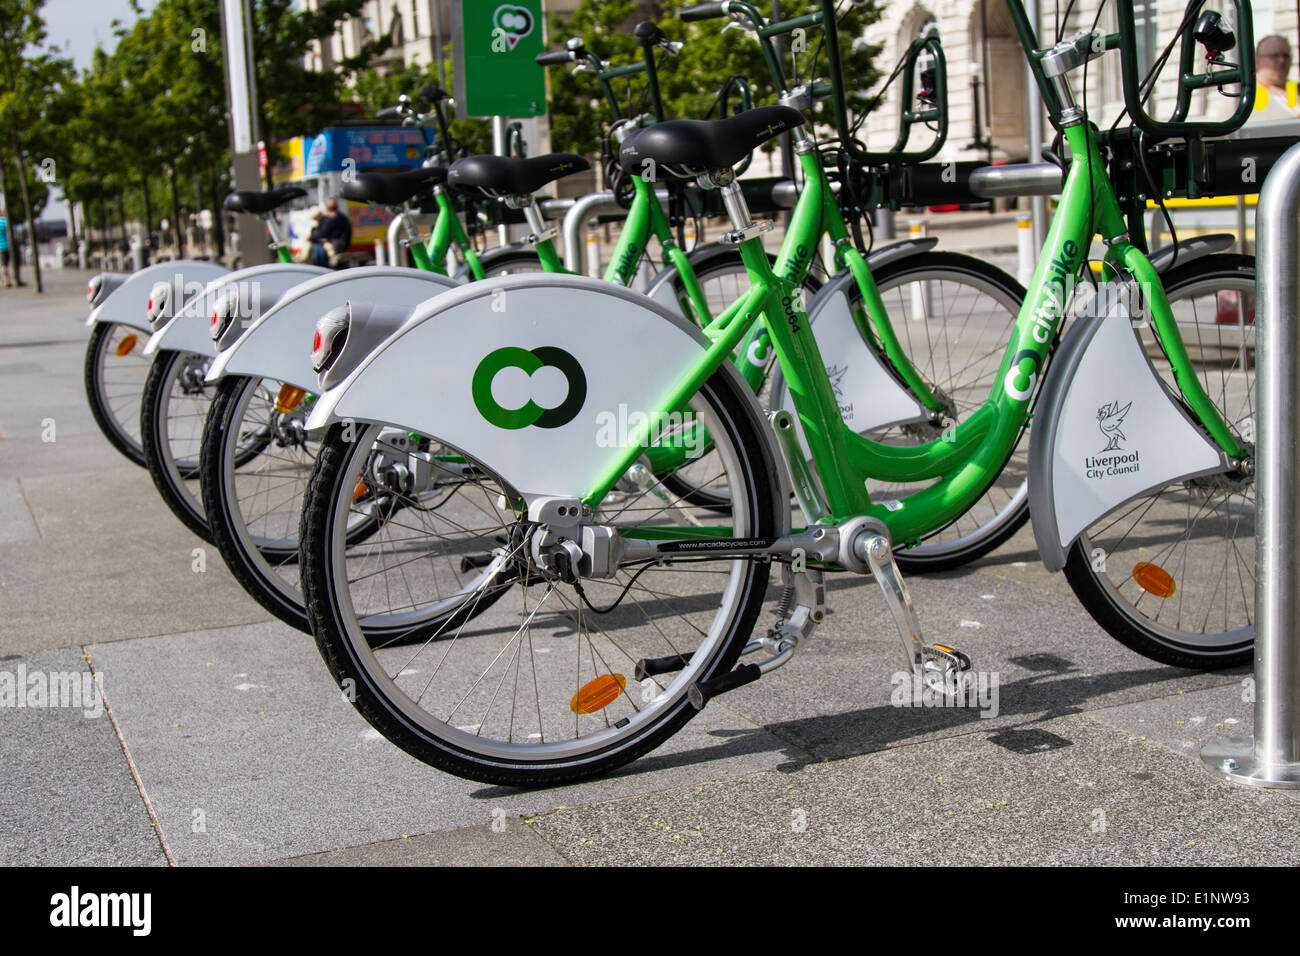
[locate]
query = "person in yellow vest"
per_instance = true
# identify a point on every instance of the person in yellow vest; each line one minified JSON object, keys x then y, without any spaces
{"x":1275,"y":97}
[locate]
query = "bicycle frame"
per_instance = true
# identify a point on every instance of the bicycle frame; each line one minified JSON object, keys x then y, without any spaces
{"x":971,"y":455}
{"x":447,"y":231}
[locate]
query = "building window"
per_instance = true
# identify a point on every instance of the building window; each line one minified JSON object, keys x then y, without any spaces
{"x":1145,"y":17}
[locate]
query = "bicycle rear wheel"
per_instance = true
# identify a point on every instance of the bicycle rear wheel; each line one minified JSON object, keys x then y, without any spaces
{"x":115,"y":373}
{"x":172,"y":414}
{"x":953,"y":315}
{"x":541,"y":691}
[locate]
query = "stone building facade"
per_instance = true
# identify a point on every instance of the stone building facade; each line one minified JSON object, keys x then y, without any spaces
{"x":983,"y":54}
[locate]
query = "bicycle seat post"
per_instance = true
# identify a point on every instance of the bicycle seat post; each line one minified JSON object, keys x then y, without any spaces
{"x":276,"y":239}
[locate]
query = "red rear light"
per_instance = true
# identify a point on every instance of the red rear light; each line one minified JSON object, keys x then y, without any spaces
{"x":90,"y":291}
{"x":150,"y":305}
{"x":216,"y":318}
{"x":331,"y":332}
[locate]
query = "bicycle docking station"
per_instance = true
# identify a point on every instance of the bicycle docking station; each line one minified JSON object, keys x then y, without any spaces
{"x":1271,"y":756}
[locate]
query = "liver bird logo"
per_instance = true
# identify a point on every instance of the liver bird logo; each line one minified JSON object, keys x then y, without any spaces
{"x":836,"y":375}
{"x":1109,"y":419}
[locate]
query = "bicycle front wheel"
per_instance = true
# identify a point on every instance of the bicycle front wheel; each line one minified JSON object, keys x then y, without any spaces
{"x":541,"y":690}
{"x":1171,"y":574}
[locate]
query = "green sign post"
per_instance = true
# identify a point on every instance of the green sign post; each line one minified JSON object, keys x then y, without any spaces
{"x":495,"y":43}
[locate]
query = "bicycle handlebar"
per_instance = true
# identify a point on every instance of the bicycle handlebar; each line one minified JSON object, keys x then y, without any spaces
{"x":702,"y":11}
{"x":1189,"y":80}
{"x":555,"y":57}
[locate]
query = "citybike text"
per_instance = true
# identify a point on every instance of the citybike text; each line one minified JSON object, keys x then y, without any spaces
{"x":795,"y":268}
{"x":676,"y":429}
{"x":627,"y":262}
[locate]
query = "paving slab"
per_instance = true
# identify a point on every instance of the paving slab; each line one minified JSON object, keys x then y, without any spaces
{"x":68,"y":797}
{"x":1186,"y":721}
{"x":16,"y":520}
{"x":1102,"y":796}
{"x":1046,"y":656}
{"x":500,"y":843}
{"x":250,"y":753}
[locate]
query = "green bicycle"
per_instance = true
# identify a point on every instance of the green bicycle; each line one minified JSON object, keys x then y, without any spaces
{"x":568,"y":400}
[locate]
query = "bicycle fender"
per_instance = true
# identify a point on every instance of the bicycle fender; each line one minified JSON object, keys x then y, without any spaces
{"x":258,"y":288}
{"x":869,"y":394}
{"x":1163,"y":259}
{"x":900,"y":250}
{"x":128,"y":304}
{"x":530,"y":374}
{"x":277,"y":343}
{"x":101,"y":286}
{"x":1106,"y":430}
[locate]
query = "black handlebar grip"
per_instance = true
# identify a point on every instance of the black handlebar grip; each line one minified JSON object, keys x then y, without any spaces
{"x":553,"y":57}
{"x":432,"y":94}
{"x":647,"y":33}
{"x":701,"y":11}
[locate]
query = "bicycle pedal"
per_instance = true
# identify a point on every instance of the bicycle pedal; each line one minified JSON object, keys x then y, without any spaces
{"x":945,"y":670}
{"x":704,"y":691}
{"x":654,"y":666}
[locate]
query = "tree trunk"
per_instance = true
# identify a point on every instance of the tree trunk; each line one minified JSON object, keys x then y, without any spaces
{"x":21,"y":158}
{"x":121,"y":222}
{"x":72,"y":221}
{"x":103,"y":225}
{"x":218,"y":219}
{"x":176,"y":217}
{"x":148,"y":208}
{"x":27,"y":203}
{"x":11,"y":254}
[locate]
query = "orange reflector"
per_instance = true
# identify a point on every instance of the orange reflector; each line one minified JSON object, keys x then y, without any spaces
{"x":126,"y":346}
{"x":360,"y":491}
{"x":598,"y":694}
{"x":290,"y":397}
{"x":1154,"y":579}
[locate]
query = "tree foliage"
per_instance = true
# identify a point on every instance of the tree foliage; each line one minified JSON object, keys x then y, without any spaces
{"x":145,"y":128}
{"x":691,"y":80}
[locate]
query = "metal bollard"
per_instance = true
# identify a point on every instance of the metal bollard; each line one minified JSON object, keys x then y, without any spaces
{"x":593,"y":254}
{"x":381,"y":253}
{"x":1271,"y":758}
{"x":1024,"y":250}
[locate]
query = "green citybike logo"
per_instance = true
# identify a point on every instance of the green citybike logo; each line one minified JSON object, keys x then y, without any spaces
{"x":530,"y":413}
